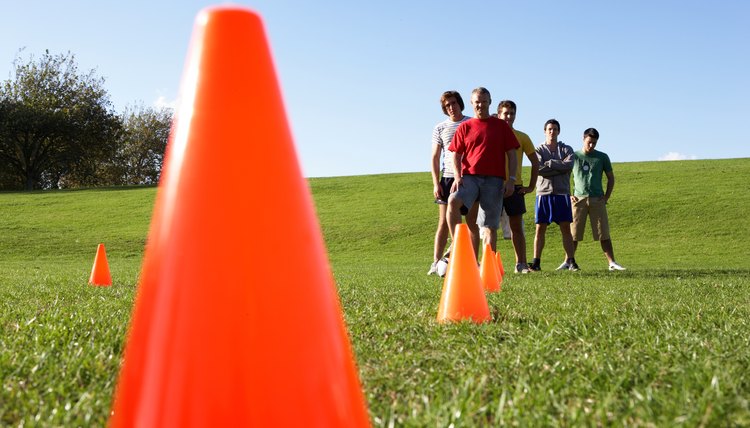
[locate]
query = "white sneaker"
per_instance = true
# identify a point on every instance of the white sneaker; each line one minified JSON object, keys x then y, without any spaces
{"x":615,"y":266}
{"x":564,"y":266}
{"x":433,"y":269}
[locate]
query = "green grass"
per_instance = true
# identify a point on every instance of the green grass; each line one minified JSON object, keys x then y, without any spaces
{"x":666,"y":343}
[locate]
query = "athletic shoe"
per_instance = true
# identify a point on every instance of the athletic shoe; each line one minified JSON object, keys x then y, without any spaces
{"x":564,"y":266}
{"x":433,"y":269}
{"x":522,"y":268}
{"x":441,"y":267}
{"x":615,"y":266}
{"x":535,"y":268}
{"x":574,"y":267}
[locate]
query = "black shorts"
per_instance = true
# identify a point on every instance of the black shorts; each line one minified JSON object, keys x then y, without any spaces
{"x":514,"y":204}
{"x":445,"y":189}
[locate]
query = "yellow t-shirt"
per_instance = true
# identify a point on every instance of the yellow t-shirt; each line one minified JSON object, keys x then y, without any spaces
{"x":525,"y":146}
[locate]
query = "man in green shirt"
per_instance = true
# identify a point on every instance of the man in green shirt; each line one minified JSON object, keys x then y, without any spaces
{"x":589,"y":198}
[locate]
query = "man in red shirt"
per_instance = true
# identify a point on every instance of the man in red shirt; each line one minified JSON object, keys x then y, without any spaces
{"x":480,"y":146}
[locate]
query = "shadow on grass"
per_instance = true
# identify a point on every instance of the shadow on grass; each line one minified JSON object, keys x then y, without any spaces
{"x":665,"y":273}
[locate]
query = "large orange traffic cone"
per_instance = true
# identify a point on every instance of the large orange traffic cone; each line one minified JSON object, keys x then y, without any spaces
{"x":100,"y":272}
{"x":463,"y":296}
{"x":225,"y":331}
{"x":491,"y":278}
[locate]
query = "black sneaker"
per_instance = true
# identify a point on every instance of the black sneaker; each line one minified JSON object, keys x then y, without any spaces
{"x":574,"y":267}
{"x":534,"y":267}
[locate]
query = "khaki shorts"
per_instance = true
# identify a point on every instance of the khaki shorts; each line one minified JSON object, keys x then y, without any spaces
{"x":594,"y":208}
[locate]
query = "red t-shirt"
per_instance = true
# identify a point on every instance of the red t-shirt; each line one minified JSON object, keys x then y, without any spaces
{"x":482,"y":144}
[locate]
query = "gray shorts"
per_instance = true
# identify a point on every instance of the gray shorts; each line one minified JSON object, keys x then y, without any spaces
{"x":489,"y":190}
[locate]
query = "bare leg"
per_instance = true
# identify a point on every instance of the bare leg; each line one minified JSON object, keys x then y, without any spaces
{"x":471,"y":221}
{"x":541,"y":230}
{"x":567,"y":240}
{"x":442,"y":233}
{"x":519,"y":240}
{"x":608,"y":251}
{"x":454,"y":214}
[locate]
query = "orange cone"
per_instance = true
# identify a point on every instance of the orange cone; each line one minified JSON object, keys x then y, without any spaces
{"x":463,"y":296}
{"x":500,"y":267}
{"x":225,"y":331}
{"x":491,"y":278}
{"x":100,"y":272}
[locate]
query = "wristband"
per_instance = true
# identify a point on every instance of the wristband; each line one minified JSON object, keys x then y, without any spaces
{"x":512,"y":178}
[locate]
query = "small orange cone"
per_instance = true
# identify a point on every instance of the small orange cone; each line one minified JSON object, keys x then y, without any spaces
{"x":463,"y":295}
{"x":500,"y":267}
{"x":100,"y":272}
{"x":491,"y":278}
{"x":225,"y":331}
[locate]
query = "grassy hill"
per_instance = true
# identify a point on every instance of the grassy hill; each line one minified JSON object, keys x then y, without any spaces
{"x":665,"y":343}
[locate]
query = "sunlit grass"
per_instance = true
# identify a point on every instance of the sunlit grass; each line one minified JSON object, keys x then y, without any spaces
{"x":665,"y":343}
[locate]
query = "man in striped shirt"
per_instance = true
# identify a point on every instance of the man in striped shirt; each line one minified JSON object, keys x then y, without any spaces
{"x":442,"y":178}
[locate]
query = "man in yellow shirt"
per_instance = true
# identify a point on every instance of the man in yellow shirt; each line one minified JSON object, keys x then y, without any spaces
{"x":514,"y":204}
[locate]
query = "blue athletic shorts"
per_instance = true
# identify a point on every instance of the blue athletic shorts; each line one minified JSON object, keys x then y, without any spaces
{"x":553,"y":209}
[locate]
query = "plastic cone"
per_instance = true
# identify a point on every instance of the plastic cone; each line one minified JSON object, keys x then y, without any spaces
{"x":491,"y":278}
{"x":463,"y":296}
{"x":100,"y":272}
{"x":225,"y":331}
{"x":500,"y":267}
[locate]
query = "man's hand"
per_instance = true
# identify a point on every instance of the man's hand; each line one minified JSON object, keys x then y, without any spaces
{"x":436,"y":191}
{"x":456,"y":184}
{"x":509,"y":188}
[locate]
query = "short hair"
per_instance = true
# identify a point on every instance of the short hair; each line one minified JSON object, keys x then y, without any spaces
{"x":553,"y":122}
{"x":482,"y":90}
{"x":507,"y":104}
{"x":451,"y":94}
{"x":591,"y":132}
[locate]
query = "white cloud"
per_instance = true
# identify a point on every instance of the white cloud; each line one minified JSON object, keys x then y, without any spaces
{"x":163,"y":102}
{"x":677,"y":156}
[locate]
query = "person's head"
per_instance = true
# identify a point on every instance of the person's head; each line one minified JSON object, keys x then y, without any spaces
{"x":590,"y":138}
{"x":481,"y":100}
{"x":551,"y":129}
{"x":506,"y":111}
{"x":452,"y":104}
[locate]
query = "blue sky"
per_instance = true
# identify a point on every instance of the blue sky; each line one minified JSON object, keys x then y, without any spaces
{"x":361,"y":80}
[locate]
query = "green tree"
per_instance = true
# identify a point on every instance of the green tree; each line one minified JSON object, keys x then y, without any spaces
{"x":141,"y":146}
{"x":57,"y":124}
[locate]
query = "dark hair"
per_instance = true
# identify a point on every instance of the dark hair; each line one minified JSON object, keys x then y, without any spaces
{"x":449,"y":94}
{"x":507,"y":104}
{"x":553,"y":122}
{"x":591,"y":132}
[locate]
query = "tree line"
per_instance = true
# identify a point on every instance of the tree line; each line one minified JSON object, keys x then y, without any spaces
{"x":58,"y":129}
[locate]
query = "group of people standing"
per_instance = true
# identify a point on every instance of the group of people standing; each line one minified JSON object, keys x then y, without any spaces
{"x":480,"y":177}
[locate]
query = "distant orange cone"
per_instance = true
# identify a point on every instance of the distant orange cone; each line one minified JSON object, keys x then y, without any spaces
{"x":100,"y":272}
{"x":225,"y":331}
{"x":500,"y":267}
{"x":491,"y":278}
{"x":463,"y":295}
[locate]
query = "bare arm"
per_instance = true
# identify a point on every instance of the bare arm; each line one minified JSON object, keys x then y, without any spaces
{"x":512,"y":170}
{"x":534,"y":173}
{"x":436,"y":150}
{"x":610,"y":185}
{"x":457,"y":177}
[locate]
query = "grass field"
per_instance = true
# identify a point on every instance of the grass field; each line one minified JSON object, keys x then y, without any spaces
{"x":666,"y":343}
